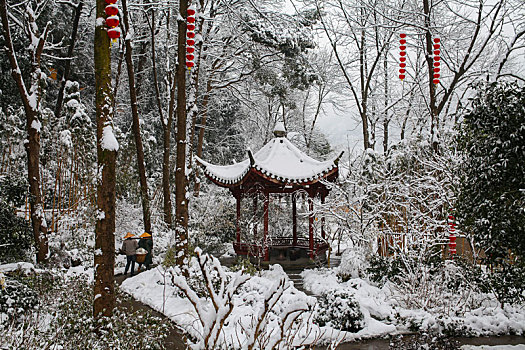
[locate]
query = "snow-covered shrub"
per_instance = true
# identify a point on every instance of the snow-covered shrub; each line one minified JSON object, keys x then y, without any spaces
{"x":64,"y":320}
{"x":212,"y":220}
{"x":16,"y":299}
{"x":16,"y":237}
{"x":354,"y":263}
{"x":507,"y":282}
{"x":382,"y":269}
{"x":339,"y":309}
{"x":243,"y":312}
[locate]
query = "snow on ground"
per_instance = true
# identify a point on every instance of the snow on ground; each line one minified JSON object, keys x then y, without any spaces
{"x":154,"y":289}
{"x":383,"y":311}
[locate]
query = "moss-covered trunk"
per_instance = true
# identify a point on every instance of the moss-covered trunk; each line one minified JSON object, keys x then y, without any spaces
{"x":104,"y":289}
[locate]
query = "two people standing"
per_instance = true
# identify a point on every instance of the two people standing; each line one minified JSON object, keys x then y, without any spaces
{"x":130,"y":246}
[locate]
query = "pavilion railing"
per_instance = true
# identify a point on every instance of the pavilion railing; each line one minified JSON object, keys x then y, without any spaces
{"x":243,"y":248}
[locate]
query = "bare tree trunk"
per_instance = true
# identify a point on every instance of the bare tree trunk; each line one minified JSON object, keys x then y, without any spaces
{"x":166,"y":126}
{"x":386,"y":119}
{"x":31,"y":101}
{"x":104,"y":289}
{"x":136,"y":126}
{"x":67,"y":69}
{"x":181,"y":202}
{"x":200,"y":141}
{"x":430,"y":64}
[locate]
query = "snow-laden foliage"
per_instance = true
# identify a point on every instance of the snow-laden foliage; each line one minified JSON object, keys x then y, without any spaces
{"x":43,"y":310}
{"x":491,"y":201}
{"x":403,"y":195}
{"x":339,"y":309}
{"x":453,"y":304}
{"x":275,"y":318}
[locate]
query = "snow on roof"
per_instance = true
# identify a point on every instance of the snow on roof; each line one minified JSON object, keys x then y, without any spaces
{"x":278,"y":159}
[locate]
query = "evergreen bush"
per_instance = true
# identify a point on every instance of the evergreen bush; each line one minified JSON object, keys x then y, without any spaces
{"x":339,"y":309}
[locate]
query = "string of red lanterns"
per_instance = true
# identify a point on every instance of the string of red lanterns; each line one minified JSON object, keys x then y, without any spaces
{"x":190,"y":37}
{"x":402,"y":56}
{"x":437,"y":58}
{"x":112,"y":21}
{"x":452,"y":236}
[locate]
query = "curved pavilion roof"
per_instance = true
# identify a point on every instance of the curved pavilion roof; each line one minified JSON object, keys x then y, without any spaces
{"x":278,"y":160}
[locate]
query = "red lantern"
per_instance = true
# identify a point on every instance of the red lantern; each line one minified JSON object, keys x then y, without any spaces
{"x":437,"y":52}
{"x":189,"y":64}
{"x":436,"y":40}
{"x":436,"y":70}
{"x":190,"y":57}
{"x":402,"y":59}
{"x":436,"y":46}
{"x":114,"y":33}
{"x":402,"y":65}
{"x":402,"y":53}
{"x":191,"y":19}
{"x":402,"y":41}
{"x":437,"y":58}
{"x":190,"y":27}
{"x":436,"y":76}
{"x":111,"y":10}
{"x":402,"y":71}
{"x":190,"y":49}
{"x":452,"y":238}
{"x":190,"y":34}
{"x":402,"y":48}
{"x":190,"y":42}
{"x":401,"y":76}
{"x":437,"y":64}
{"x":436,"y":81}
{"x":402,"y":35}
{"x":191,"y":12}
{"x":112,"y":21}
{"x":111,"y":2}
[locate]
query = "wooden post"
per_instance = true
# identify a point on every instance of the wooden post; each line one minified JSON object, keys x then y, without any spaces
{"x":311,"y":225}
{"x":255,"y":216}
{"x":265,"y":238}
{"x":323,"y":235}
{"x":238,"y":221}
{"x":294,"y":219}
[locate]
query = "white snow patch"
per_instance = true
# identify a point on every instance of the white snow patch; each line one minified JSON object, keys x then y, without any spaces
{"x":36,"y":125}
{"x":109,"y":141}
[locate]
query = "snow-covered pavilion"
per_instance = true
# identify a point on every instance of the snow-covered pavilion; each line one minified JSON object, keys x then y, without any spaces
{"x":279,"y":167}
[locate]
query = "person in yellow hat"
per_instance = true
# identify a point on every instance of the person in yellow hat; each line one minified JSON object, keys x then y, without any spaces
{"x":129,"y":247}
{"x":146,"y":242}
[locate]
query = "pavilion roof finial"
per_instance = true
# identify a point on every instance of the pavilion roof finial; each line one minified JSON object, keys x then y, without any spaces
{"x":279,"y":130}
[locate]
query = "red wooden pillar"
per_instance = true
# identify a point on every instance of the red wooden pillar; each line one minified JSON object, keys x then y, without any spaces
{"x":265,"y":238}
{"x":294,"y":219}
{"x":322,"y":217}
{"x":255,"y":219}
{"x":238,"y":221}
{"x":311,"y":225}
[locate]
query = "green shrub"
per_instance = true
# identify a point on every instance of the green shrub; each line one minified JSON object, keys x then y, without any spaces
{"x":339,"y":309}
{"x":15,"y":235}
{"x":507,"y":282}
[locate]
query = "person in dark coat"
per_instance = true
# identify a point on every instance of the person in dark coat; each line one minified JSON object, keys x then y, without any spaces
{"x":146,"y":242}
{"x":129,"y":247}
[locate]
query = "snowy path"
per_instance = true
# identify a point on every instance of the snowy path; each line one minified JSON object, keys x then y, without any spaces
{"x":174,"y":340}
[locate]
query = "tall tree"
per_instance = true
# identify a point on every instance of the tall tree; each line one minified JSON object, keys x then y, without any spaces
{"x":181,"y":198}
{"x":136,"y":124}
{"x":31,"y":100}
{"x":491,"y":198}
{"x":107,"y":148}
{"x":67,"y":69}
